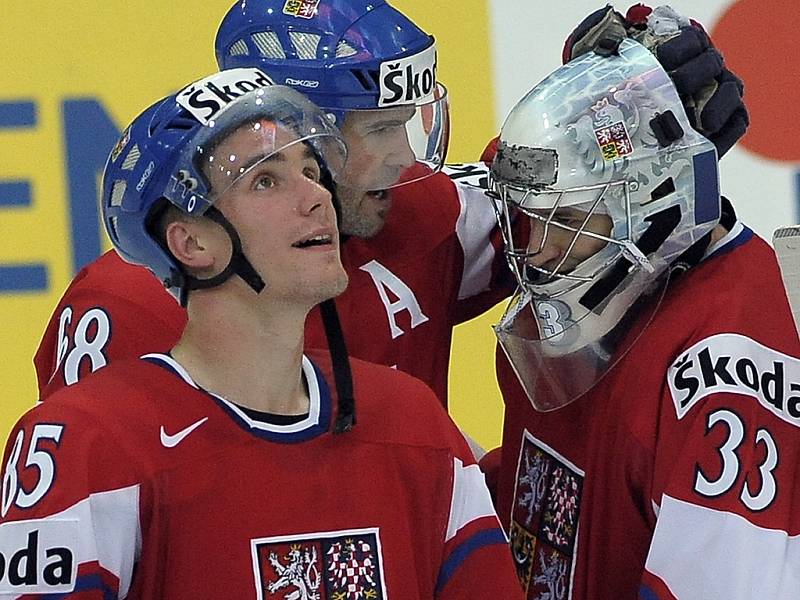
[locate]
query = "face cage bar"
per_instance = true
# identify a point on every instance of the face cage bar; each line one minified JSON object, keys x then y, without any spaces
{"x":518,"y":259}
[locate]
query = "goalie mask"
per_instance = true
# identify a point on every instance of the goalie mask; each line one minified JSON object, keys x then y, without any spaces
{"x":619,"y":190}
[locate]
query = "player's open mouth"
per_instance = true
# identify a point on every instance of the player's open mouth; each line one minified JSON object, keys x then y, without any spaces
{"x":320,"y":239}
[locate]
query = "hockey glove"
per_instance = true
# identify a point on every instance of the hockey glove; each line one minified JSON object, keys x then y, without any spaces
{"x":711,"y":94}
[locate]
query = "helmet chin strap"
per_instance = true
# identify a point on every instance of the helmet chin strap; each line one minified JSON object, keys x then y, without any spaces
{"x":342,"y":375}
{"x":237,"y":265}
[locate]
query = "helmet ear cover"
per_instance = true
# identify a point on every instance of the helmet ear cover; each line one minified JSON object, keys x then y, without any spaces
{"x":155,"y":226}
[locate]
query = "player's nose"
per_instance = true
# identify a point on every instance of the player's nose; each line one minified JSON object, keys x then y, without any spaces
{"x":543,"y":245}
{"x":311,"y":196}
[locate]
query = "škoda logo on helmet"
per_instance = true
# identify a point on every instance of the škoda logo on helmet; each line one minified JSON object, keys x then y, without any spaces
{"x":207,"y":97}
{"x":408,"y":80}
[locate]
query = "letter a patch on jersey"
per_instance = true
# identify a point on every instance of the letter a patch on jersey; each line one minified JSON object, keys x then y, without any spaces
{"x":334,"y":565}
{"x":544,"y":520}
{"x":384,"y":281}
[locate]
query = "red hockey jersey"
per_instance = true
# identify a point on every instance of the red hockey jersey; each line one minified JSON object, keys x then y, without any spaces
{"x":676,"y":476}
{"x":173,"y":492}
{"x":436,"y":263}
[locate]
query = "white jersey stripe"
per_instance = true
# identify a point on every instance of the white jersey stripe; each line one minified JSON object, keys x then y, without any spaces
{"x":313,"y":394}
{"x":474,"y":226}
{"x":470,"y":499}
{"x":697,"y":548}
{"x":104,"y":527}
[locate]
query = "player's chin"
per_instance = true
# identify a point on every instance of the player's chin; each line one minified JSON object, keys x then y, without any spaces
{"x":375,"y":225}
{"x":340,"y":284}
{"x":332,"y":286}
{"x":378,"y":202}
{"x":366,"y":223}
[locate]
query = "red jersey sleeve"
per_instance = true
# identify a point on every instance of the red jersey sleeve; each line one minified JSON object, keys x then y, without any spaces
{"x":725,"y":473}
{"x":111,"y":310}
{"x":485,"y":278}
{"x":69,"y":519}
{"x":476,"y":559}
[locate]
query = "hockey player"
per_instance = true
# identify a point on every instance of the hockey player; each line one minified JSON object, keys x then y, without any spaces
{"x":221,"y":469}
{"x":649,"y":363}
{"x":421,"y":257}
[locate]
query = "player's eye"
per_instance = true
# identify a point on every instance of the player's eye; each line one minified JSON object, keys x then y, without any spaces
{"x":386,"y":128}
{"x":264,"y":181}
{"x":312,"y":173}
{"x":264,"y":178}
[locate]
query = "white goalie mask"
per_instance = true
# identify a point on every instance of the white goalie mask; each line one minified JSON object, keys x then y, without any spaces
{"x":604,"y":137}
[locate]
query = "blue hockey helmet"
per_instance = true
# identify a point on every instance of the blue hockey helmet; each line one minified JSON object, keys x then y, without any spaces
{"x":168,"y":153}
{"x":347,"y":56}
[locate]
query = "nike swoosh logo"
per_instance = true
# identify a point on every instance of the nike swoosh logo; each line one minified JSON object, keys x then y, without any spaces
{"x":170,"y":441}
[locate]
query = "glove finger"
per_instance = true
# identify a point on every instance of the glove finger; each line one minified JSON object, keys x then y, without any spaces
{"x":581,"y":31}
{"x":695,"y":73}
{"x":719,"y":108}
{"x":727,"y":76}
{"x":734,"y":129}
{"x":584,"y":37}
{"x":689,"y":43}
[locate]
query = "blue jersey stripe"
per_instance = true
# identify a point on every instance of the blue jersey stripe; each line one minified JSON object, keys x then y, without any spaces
{"x":457,"y":557}
{"x":85,"y":583}
{"x":744,"y":236}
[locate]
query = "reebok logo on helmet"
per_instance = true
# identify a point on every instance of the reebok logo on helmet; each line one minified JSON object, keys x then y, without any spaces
{"x":408,"y":80}
{"x":206,"y":98}
{"x":309,"y":83}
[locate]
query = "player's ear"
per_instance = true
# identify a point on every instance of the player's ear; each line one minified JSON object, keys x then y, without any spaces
{"x":192,"y":243}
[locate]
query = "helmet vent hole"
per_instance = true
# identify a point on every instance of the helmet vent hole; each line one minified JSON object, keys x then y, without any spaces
{"x":238,"y":49}
{"x":268,"y":44}
{"x":362,"y":79}
{"x":664,"y":189}
{"x":305,"y":44}
{"x":118,"y":192}
{"x":112,"y":225}
{"x":344,"y":49}
{"x":368,"y":78}
{"x":375,"y":76}
{"x":131,"y":159}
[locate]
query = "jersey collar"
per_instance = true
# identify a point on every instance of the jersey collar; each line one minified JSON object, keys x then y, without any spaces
{"x":319,"y":410}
